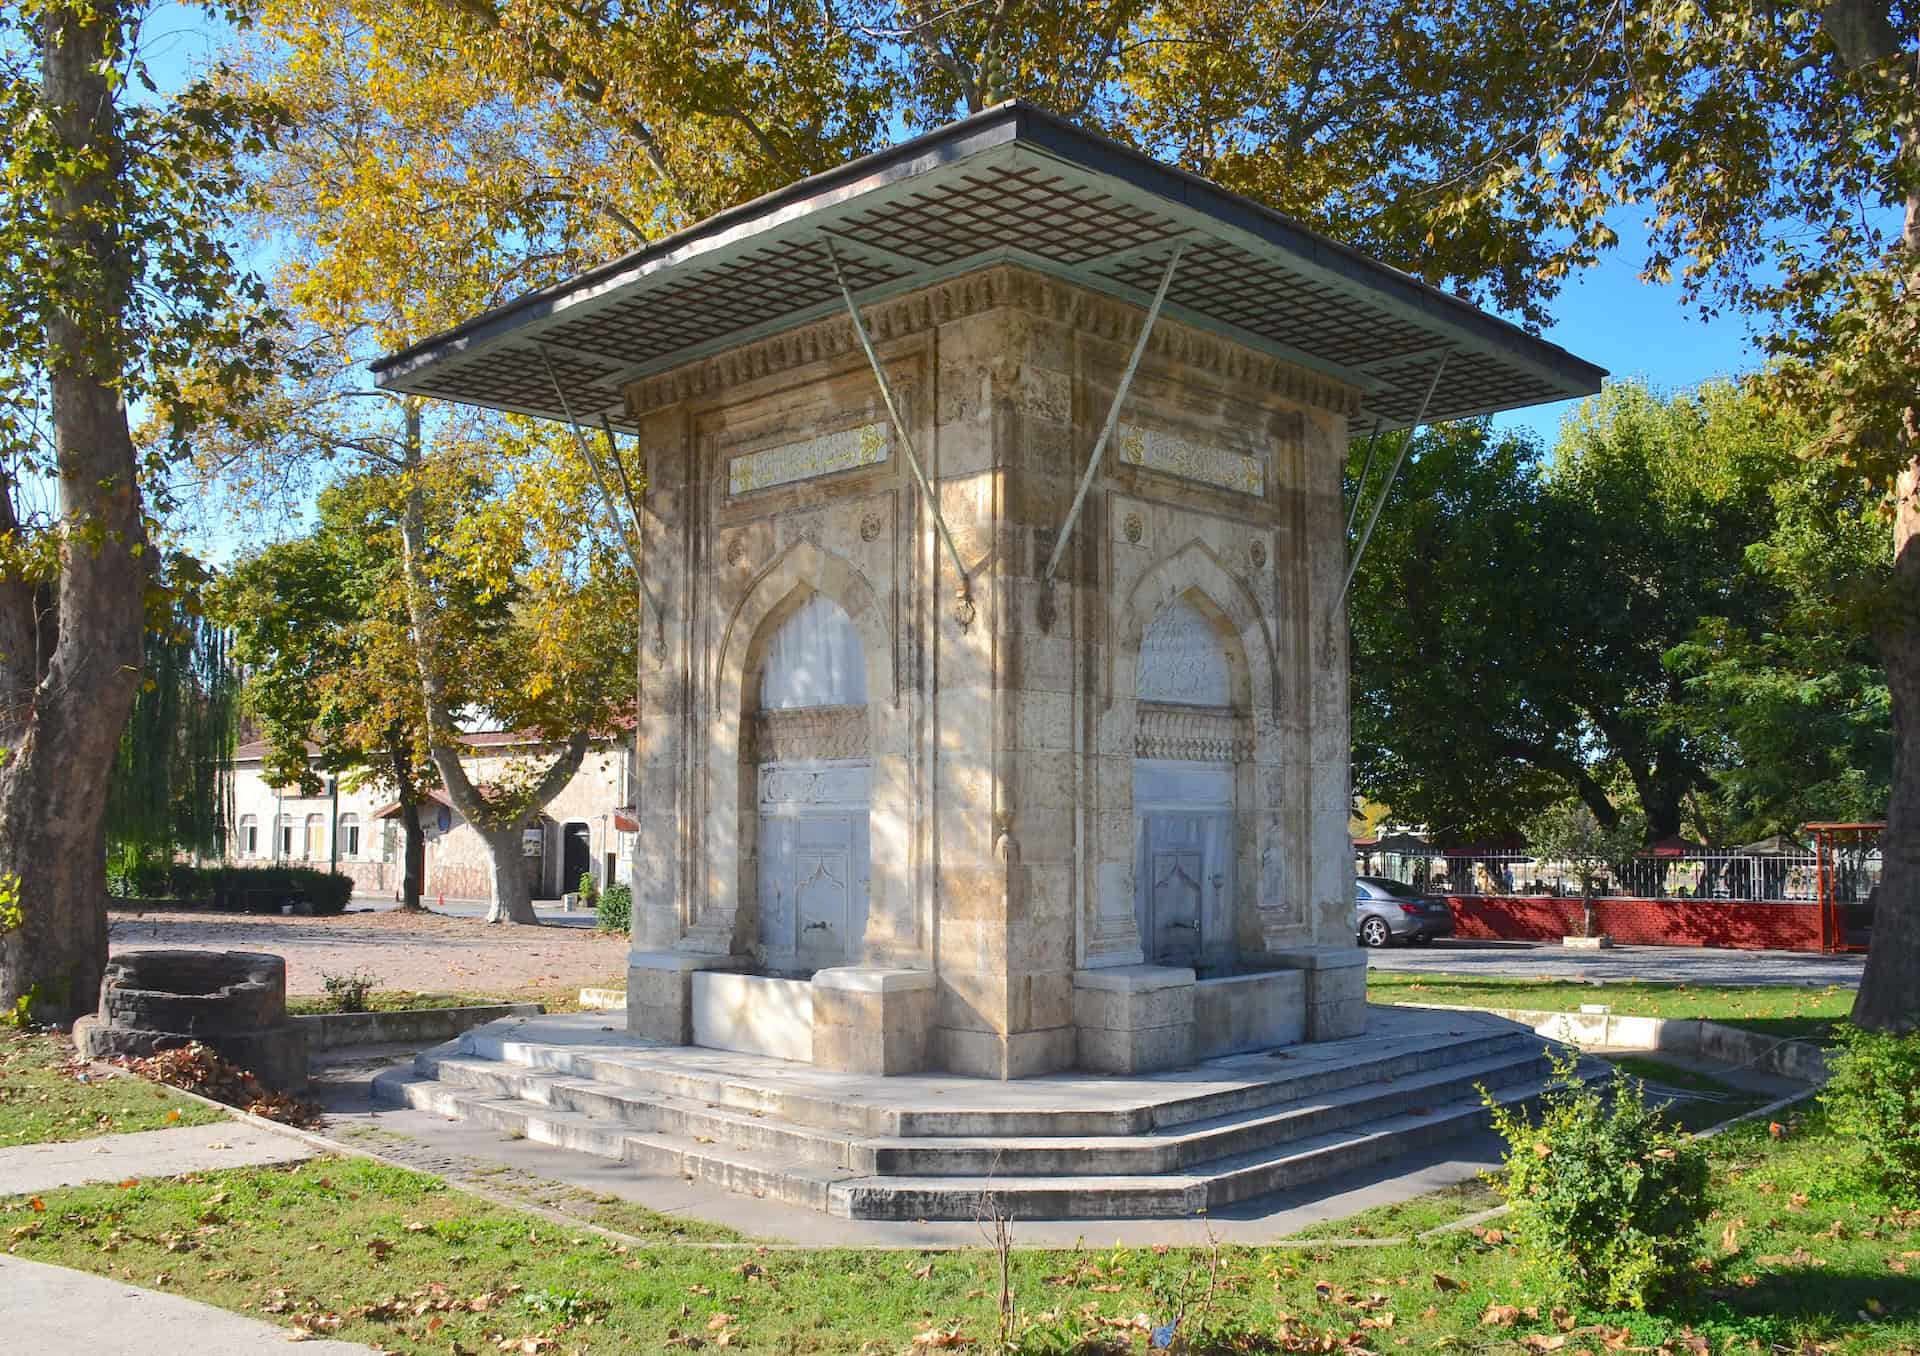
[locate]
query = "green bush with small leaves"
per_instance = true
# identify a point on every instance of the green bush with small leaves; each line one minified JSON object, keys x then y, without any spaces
{"x":350,"y":992}
{"x":1607,"y":1197}
{"x":614,"y":912}
{"x":1873,"y":1094}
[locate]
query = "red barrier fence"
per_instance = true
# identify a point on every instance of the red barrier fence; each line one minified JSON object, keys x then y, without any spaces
{"x":1749,"y":925}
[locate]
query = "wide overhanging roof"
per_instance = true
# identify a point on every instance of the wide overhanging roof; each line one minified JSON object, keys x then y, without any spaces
{"x":1017,"y":185}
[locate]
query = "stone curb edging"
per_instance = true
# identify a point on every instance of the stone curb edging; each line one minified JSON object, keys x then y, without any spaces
{"x":1793,"y":1057}
{"x":333,"y":1030}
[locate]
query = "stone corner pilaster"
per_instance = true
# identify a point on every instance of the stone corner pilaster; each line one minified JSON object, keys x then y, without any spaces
{"x":871,"y":1019}
{"x":1336,"y":988}
{"x":660,"y":992}
{"x":1134,"y":1018}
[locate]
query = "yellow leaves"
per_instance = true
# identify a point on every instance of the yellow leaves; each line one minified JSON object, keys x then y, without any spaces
{"x":1730,"y":1236}
{"x":940,"y":1339}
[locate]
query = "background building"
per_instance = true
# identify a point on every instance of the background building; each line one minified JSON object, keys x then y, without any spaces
{"x":356,"y":830}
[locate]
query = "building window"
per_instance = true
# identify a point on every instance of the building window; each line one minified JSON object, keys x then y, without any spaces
{"x":286,"y":837}
{"x":249,"y":836}
{"x":316,"y":837}
{"x":350,"y":836}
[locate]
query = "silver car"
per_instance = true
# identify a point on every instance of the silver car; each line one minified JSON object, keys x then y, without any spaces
{"x":1386,"y":911}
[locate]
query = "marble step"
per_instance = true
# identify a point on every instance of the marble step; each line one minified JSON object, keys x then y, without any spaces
{"x":1167,"y":1195}
{"x":625,"y":1108}
{"x":852,"y":1194}
{"x":771,"y":1175}
{"x":1157,"y":1151}
{"x":1195,"y":1146}
{"x":1257,"y":1082}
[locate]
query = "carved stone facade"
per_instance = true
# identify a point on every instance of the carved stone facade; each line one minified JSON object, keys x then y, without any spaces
{"x":1004,"y":712}
{"x":810,"y":732}
{"x":1193,"y":734}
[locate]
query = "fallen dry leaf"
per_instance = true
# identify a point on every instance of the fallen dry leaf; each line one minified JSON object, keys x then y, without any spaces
{"x":937,"y":1338}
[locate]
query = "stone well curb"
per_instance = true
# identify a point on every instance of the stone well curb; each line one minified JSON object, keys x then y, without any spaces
{"x":1794,"y":1057}
{"x":332,"y":1030}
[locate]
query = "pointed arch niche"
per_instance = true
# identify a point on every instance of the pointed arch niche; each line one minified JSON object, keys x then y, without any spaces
{"x":1192,"y":754}
{"x":810,"y":746}
{"x":803,"y":685}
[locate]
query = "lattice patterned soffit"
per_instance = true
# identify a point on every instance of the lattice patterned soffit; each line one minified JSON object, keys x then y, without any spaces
{"x":970,"y":294}
{"x":1256,"y":298}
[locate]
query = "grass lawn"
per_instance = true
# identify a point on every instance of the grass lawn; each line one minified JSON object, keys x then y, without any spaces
{"x":1771,"y":1009}
{"x":609,"y":1212}
{"x":1801,"y":1256}
{"x":42,"y":1101}
{"x":407,"y":1000}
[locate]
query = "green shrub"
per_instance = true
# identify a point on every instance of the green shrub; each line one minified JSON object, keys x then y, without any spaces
{"x":266,"y":888}
{"x":349,"y":992}
{"x":132,"y":875}
{"x":587,"y":890}
{"x":614,"y":912}
{"x":1873,"y":1094}
{"x":1607,"y":1197}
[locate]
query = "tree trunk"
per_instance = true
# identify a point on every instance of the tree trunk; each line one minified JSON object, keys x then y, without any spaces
{"x":512,"y":900}
{"x":1889,"y":997}
{"x":413,"y":856}
{"x":64,"y":708}
{"x":413,"y":879}
{"x":499,"y":823}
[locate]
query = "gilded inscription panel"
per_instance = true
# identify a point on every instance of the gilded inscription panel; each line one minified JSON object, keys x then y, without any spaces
{"x":1176,"y":456}
{"x":823,"y":455}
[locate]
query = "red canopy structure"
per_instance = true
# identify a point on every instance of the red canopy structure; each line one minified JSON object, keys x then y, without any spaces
{"x":1848,"y":855}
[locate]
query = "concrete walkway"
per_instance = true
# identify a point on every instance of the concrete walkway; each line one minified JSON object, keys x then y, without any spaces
{"x":148,"y":1153}
{"x":1672,"y":964}
{"x":51,"y":1309}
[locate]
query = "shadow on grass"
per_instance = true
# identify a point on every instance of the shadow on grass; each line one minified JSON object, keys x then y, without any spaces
{"x":1762,"y":1302}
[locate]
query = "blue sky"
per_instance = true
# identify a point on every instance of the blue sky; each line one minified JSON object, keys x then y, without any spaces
{"x":1635,"y":329}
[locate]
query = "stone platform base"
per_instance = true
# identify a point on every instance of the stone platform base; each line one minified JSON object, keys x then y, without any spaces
{"x":878,"y":1020}
{"x":937,"y":1146}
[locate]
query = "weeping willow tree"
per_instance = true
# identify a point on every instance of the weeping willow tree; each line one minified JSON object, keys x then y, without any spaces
{"x":170,"y":792}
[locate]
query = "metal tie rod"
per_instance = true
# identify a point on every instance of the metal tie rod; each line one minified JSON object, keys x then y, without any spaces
{"x":1406,"y":446}
{"x":1360,"y":486}
{"x":1113,"y":413}
{"x":899,"y":424}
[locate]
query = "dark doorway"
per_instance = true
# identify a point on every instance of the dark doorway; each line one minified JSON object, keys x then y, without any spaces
{"x":576,"y":856}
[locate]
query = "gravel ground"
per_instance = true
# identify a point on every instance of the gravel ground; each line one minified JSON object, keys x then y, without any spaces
{"x":428,"y":951}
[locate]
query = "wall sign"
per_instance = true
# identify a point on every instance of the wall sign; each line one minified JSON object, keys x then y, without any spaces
{"x":823,"y":455}
{"x":1176,"y":456}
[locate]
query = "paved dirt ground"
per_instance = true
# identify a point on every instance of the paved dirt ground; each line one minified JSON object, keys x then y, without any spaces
{"x":1669,"y":964}
{"x":427,"y":951}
